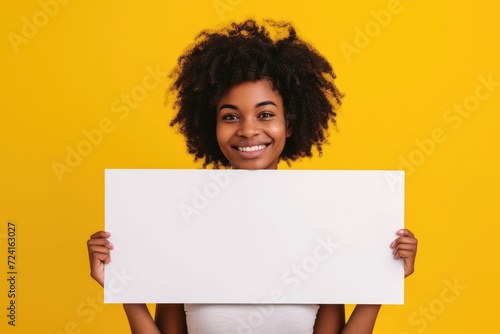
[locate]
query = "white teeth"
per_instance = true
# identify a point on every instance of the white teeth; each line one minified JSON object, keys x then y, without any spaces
{"x":251,"y":148}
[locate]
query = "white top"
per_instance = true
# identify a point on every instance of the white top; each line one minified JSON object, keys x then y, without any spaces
{"x":254,"y":318}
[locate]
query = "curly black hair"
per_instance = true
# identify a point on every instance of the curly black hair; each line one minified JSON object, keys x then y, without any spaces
{"x":246,"y":51}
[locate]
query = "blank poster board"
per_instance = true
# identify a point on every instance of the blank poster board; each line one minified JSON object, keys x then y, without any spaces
{"x":265,"y":236}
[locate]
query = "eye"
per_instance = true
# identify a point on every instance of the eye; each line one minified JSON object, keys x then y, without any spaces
{"x":230,"y":117}
{"x":266,"y":115}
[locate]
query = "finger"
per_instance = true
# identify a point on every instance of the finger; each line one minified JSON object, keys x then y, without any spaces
{"x":99,"y":258}
{"x":403,"y":241}
{"x":407,"y":240}
{"x":98,"y":255}
{"x":100,"y":242}
{"x":100,"y":235}
{"x":405,"y":254}
{"x":405,"y":247}
{"x":405,"y":233}
{"x":98,"y":250}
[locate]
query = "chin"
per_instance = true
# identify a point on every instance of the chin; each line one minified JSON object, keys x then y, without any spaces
{"x":255,"y":165}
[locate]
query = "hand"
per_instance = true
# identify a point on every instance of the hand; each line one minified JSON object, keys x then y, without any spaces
{"x":405,"y":247}
{"x":99,"y":254}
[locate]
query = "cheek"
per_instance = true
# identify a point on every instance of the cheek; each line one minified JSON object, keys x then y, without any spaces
{"x":221,"y":134}
{"x":279,"y":132}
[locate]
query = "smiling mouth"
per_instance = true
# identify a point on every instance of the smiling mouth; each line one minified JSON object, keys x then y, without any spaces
{"x":251,"y":148}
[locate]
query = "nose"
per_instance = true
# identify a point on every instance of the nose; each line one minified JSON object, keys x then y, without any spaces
{"x":249,"y":128}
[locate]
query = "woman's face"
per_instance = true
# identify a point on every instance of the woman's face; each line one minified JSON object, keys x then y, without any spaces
{"x":251,"y":125}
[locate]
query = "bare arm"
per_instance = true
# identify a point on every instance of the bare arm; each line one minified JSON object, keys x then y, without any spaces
{"x":140,"y":320}
{"x":171,"y":318}
{"x":330,"y":319}
{"x":362,"y":320}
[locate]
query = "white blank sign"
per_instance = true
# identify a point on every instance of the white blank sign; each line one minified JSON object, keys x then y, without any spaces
{"x":266,"y":236}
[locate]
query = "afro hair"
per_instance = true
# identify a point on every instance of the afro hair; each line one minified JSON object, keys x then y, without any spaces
{"x":247,"y":51}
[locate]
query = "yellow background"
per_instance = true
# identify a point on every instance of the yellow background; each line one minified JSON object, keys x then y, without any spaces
{"x":400,"y":84}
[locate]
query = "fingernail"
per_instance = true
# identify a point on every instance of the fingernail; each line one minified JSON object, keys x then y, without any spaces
{"x":401,"y":231}
{"x":393,"y":244}
{"x":111,"y":245}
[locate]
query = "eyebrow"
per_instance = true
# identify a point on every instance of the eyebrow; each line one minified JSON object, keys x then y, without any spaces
{"x":258,"y":105}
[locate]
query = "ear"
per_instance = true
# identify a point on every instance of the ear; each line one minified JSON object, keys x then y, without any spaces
{"x":288,"y":130}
